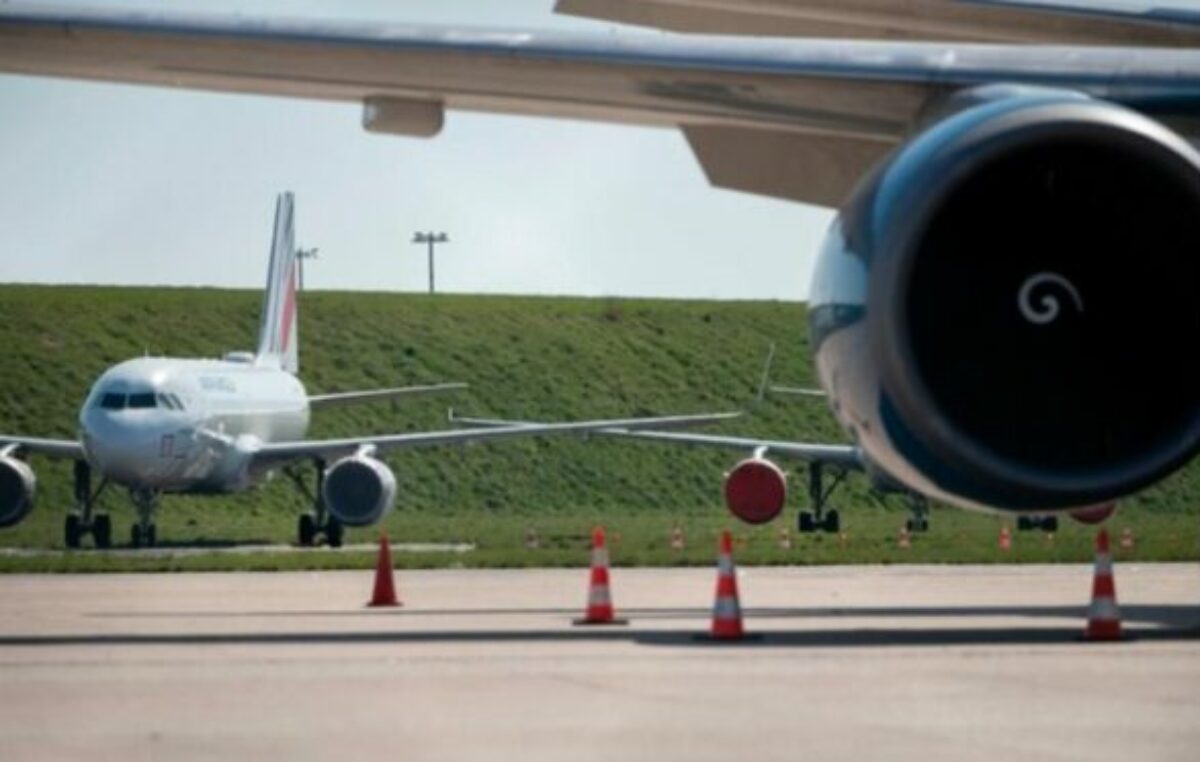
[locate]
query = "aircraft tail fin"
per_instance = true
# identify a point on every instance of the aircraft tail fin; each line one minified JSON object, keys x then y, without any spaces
{"x":278,"y":339}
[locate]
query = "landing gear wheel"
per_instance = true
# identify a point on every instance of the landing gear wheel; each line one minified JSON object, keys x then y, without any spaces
{"x":72,"y":531}
{"x":135,"y":536}
{"x":307,"y":529}
{"x":151,"y":536}
{"x":1024,"y":523}
{"x":917,"y":525}
{"x":807,"y":522}
{"x":333,"y":533}
{"x":102,"y":531}
{"x":832,"y":523}
{"x":1050,"y":524}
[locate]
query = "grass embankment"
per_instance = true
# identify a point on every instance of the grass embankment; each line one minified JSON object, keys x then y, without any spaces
{"x":524,"y":357}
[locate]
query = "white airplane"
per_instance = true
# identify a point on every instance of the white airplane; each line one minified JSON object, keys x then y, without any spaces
{"x":1002,"y":311}
{"x":163,"y":425}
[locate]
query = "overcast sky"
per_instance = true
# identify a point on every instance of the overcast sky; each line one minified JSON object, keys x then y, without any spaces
{"x":133,"y":185}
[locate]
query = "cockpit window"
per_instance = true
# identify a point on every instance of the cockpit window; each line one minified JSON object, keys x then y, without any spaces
{"x":165,"y":401}
{"x":143,"y":400}
{"x":178,"y":402}
{"x":113,"y":401}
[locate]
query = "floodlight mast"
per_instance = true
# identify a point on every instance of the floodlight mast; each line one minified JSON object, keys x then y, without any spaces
{"x":301,"y":255}
{"x":431,"y":239}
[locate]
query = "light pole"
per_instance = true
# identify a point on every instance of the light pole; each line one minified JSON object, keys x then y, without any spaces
{"x":301,"y":255}
{"x":431,"y":239}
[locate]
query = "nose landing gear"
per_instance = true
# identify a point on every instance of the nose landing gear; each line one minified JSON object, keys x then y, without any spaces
{"x":144,"y":534}
{"x":83,"y":520}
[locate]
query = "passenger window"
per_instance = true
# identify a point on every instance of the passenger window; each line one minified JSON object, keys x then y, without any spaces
{"x":144,"y":400}
{"x":112,"y":401}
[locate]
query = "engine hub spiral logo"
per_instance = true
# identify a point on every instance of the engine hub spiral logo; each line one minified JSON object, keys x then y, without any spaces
{"x":1046,"y":309}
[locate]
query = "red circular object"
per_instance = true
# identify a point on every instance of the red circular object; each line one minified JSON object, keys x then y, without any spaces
{"x":1094,"y":514}
{"x":755,"y":491}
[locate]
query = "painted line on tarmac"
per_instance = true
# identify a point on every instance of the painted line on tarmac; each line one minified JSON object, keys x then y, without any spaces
{"x":238,"y":550}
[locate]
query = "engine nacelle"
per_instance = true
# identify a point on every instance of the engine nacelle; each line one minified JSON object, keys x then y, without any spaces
{"x":17,"y":487}
{"x":1094,"y":514}
{"x":1004,"y":311}
{"x":359,"y":490}
{"x":755,"y":490}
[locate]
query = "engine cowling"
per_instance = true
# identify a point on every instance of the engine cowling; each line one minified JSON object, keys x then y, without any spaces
{"x":755,"y":490}
{"x":359,"y":490}
{"x":1095,"y":514}
{"x":17,"y":487}
{"x":1003,"y":311}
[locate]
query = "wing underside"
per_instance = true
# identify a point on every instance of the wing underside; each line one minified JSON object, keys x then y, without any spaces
{"x":989,"y":21}
{"x":794,"y":119}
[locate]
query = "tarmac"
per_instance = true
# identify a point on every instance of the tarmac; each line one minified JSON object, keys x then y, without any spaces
{"x":850,"y":663}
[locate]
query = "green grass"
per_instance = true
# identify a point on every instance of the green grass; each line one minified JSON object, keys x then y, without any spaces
{"x":543,"y":358}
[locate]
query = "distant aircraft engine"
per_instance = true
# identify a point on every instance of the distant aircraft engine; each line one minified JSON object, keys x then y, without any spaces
{"x":17,"y":485}
{"x":755,"y":490}
{"x":359,"y":490}
{"x":1004,"y":311}
{"x":1095,"y":514}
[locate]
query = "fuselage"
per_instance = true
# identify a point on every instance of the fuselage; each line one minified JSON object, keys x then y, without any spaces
{"x":186,"y":425}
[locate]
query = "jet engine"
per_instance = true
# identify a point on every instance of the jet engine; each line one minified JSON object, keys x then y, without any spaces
{"x":755,"y":490}
{"x":1004,"y":311}
{"x":1095,"y":514}
{"x":359,"y":490}
{"x":17,"y":486}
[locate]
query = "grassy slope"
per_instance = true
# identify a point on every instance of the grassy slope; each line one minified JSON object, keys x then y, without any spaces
{"x":524,"y":357}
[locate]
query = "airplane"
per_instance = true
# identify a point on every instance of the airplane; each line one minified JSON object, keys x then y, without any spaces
{"x":1001,"y":308}
{"x":159,"y":425}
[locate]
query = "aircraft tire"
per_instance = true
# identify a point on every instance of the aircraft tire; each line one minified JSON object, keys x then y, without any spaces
{"x":151,"y":536}
{"x":833,"y":522}
{"x":102,"y":531}
{"x":72,"y":531}
{"x":333,"y":533}
{"x":135,"y":536}
{"x":807,"y":524}
{"x":307,"y":529}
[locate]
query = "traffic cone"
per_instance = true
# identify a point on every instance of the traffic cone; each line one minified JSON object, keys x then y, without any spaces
{"x":904,"y":539}
{"x":599,"y":604}
{"x":1005,"y":541}
{"x":677,"y":538}
{"x":1127,"y":539}
{"x":1104,"y":618}
{"x":727,"y":611}
{"x":385,"y":585}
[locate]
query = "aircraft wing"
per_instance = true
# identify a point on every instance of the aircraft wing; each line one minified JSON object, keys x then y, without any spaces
{"x":842,"y":456}
{"x":375,"y":395}
{"x":277,"y":453}
{"x":793,"y":119}
{"x":54,"y":448}
{"x":1088,"y":22}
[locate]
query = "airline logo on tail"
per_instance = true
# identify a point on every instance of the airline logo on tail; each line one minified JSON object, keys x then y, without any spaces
{"x":278,"y":340}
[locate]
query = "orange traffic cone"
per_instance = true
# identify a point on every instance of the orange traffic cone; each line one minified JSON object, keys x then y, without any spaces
{"x":1127,"y":539}
{"x":727,"y":611}
{"x":904,"y":539}
{"x":385,"y":586}
{"x":599,"y":604}
{"x":1005,"y":541}
{"x":1104,"y":618}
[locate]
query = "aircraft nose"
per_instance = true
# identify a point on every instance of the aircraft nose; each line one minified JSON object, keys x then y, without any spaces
{"x":122,"y":449}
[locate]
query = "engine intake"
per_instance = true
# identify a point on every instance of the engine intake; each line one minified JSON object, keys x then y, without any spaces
{"x":17,"y":487}
{"x":359,"y":490}
{"x":1030,"y":301}
{"x":755,"y":490}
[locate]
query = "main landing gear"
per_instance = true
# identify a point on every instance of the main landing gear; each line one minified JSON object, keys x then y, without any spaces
{"x":818,"y":519}
{"x":83,"y":519}
{"x":920,"y":514}
{"x":1044,"y":523}
{"x":318,"y":521}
